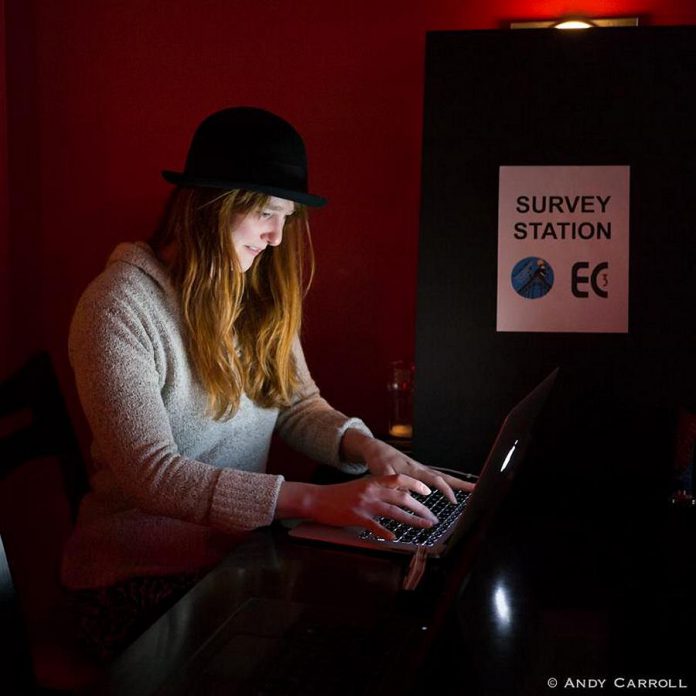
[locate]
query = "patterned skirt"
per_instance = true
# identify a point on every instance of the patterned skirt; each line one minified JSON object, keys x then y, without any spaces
{"x":110,"y":618}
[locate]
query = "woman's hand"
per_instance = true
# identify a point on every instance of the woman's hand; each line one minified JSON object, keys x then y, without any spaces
{"x":358,"y":502}
{"x":386,"y":493}
{"x":382,"y":459}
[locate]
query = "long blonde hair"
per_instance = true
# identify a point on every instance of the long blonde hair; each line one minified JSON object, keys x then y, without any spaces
{"x":239,"y":327}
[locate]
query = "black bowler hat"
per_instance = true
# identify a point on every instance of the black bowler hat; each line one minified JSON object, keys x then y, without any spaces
{"x":251,"y":149}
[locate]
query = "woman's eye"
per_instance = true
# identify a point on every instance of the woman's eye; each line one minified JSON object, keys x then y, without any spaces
{"x":265,"y":215}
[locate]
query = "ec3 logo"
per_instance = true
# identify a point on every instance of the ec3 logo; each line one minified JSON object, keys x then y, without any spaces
{"x":598,"y":279}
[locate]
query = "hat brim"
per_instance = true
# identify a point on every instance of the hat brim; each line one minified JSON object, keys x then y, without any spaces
{"x":180,"y":179}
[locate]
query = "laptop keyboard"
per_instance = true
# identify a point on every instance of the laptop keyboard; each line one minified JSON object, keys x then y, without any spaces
{"x":447,"y":513}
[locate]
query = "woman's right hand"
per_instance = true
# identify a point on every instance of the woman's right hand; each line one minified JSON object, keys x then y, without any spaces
{"x":357,"y":503}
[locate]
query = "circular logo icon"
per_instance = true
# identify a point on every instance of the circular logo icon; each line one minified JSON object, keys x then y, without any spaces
{"x":532,"y":278}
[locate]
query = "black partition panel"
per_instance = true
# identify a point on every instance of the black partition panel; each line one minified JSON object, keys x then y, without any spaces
{"x":544,"y":97}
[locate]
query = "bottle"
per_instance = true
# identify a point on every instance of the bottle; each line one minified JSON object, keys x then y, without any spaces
{"x":400,"y":391}
{"x":685,"y":450}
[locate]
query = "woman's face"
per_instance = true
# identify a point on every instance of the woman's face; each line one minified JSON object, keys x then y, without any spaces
{"x":252,"y":232}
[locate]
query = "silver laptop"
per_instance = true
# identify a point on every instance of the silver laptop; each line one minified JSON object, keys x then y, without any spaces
{"x":455,"y":521}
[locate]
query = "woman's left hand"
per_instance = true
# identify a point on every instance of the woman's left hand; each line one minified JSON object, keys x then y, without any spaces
{"x":383,"y":459}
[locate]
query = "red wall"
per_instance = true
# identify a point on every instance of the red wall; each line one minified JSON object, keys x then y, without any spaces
{"x":4,"y":222}
{"x":103,"y":95}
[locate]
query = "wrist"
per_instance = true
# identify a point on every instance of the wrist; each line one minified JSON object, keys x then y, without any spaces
{"x":355,"y":446}
{"x":295,"y":500}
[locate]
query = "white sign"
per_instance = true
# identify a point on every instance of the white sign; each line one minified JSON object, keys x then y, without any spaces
{"x":563,"y":249}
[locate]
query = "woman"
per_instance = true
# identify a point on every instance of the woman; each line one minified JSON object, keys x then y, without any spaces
{"x":187,"y":358}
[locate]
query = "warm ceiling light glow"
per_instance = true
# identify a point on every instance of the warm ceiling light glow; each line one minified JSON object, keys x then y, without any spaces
{"x":574,"y":24}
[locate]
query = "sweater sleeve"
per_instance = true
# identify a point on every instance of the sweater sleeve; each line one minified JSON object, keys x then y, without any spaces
{"x":311,"y":426}
{"x":119,"y":385}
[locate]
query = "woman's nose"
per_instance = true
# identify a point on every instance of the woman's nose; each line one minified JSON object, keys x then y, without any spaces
{"x":274,"y":235}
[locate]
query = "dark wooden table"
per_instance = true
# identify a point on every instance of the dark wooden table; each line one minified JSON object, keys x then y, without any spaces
{"x":573,"y":586}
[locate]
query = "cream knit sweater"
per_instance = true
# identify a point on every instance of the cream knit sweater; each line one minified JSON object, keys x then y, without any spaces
{"x":172,"y":489}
